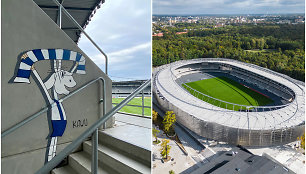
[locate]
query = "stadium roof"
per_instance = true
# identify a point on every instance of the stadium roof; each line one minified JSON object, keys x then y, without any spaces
{"x":240,"y":160}
{"x":81,"y":10}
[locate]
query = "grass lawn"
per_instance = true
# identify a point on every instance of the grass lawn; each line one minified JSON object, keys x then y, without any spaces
{"x":135,"y":110}
{"x":228,"y":90}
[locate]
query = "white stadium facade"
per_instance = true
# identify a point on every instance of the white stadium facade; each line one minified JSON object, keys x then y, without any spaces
{"x":278,"y":123}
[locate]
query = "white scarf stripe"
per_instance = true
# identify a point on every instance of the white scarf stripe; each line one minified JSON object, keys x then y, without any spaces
{"x":24,"y":66}
{"x":21,"y":80}
{"x":45,"y":53}
{"x":32,"y":56}
{"x":73,"y":55}
{"x":59,"y":54}
{"x":81,"y":72}
{"x":82,"y":62}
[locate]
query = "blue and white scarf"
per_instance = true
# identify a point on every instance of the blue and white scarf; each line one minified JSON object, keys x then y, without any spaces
{"x":30,"y":57}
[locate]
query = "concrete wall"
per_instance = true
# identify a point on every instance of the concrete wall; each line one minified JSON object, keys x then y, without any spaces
{"x":26,"y":27}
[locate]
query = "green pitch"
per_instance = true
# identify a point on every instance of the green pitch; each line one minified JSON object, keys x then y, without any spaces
{"x":135,"y":110}
{"x":227,"y":90}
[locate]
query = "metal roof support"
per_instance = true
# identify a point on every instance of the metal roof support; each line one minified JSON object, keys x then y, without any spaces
{"x":78,"y":25}
{"x":59,"y":16}
{"x":68,"y":8}
{"x":70,"y":28}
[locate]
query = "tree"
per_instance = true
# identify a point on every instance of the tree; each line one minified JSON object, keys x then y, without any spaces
{"x":302,"y":139}
{"x":155,"y":132}
{"x":171,"y":172}
{"x":168,"y":121}
{"x":165,"y":149}
{"x":154,"y":116}
{"x":232,"y":41}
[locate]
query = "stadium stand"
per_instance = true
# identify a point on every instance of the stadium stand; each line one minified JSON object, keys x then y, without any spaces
{"x":124,"y":88}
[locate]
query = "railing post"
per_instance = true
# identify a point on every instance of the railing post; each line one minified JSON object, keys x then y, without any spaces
{"x":142,"y":102}
{"x":104,"y":103}
{"x":94,"y":161}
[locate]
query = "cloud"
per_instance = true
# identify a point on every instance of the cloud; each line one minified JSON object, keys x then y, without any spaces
{"x":131,"y":50}
{"x":123,"y":31}
{"x":227,"y":6}
{"x":121,"y":56}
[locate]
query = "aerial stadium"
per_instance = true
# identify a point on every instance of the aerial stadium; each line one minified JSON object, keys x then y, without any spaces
{"x":232,"y":101}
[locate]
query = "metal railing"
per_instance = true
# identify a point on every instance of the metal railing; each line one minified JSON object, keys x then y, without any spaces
{"x":77,"y":24}
{"x":92,"y":130}
{"x":45,"y":109}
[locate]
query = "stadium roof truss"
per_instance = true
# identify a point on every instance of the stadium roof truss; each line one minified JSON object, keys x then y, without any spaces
{"x":81,"y":10}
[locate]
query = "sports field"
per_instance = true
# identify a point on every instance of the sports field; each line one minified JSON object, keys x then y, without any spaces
{"x":227,"y":90}
{"x":135,"y":101}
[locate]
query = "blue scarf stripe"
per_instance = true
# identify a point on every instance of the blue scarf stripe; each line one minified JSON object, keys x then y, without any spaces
{"x":81,"y":67}
{"x":52,"y":54}
{"x":38,"y":54}
{"x":78,"y":57}
{"x":66,"y":55}
{"x":27,"y":61}
{"x":23,"y":73}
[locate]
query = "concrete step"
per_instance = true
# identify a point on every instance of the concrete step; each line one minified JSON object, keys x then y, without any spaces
{"x":134,"y":151}
{"x":81,"y":162}
{"x":118,"y":160}
{"x":64,"y":170}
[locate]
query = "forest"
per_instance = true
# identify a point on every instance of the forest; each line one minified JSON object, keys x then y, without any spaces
{"x":277,"y":47}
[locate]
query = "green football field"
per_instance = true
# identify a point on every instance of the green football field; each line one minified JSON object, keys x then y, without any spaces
{"x":227,"y":90}
{"x":135,"y":110}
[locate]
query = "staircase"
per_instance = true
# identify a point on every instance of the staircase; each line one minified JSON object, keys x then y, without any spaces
{"x":115,"y":156}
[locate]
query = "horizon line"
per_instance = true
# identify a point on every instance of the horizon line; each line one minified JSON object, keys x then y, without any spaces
{"x":229,"y":14}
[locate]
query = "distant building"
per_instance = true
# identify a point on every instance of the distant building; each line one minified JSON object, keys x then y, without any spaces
{"x":183,"y":32}
{"x":162,"y":34}
{"x":284,"y":22}
{"x":219,"y":25}
{"x":158,"y":34}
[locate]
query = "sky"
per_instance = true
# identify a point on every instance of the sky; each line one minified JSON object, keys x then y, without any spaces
{"x":123,"y":30}
{"x":182,"y":7}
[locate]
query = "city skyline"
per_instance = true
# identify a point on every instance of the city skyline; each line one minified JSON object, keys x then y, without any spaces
{"x":197,"y":7}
